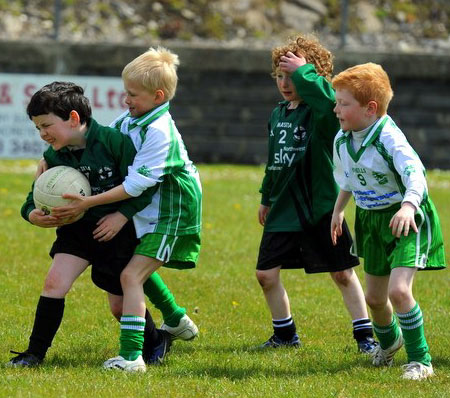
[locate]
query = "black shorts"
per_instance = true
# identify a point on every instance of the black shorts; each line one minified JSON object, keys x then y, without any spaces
{"x":311,"y":249}
{"x":108,"y":259}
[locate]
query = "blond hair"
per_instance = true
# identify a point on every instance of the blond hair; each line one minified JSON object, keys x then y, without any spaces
{"x":156,"y":69}
{"x":366,"y":82}
{"x":309,"y":47}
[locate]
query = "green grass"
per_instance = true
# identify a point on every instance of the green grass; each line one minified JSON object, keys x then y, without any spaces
{"x":223,"y":298}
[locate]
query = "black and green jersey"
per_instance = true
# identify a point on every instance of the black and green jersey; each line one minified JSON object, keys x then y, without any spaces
{"x":104,"y":162}
{"x":298,"y":184}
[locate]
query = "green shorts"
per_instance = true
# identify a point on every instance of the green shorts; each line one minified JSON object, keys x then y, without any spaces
{"x":382,"y":251}
{"x":179,"y":252}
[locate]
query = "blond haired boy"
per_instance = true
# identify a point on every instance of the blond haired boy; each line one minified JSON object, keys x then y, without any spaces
{"x":397,"y":227}
{"x":169,"y":227}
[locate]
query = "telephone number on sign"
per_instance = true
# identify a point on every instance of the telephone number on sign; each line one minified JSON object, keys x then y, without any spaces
{"x":15,"y":148}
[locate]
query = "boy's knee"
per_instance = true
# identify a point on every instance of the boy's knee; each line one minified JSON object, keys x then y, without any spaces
{"x":127,"y":278}
{"x":265,"y":278}
{"x":342,"y":277}
{"x":398,"y":295}
{"x":55,"y":287}
{"x":375,"y":302}
{"x":116,"y":305}
{"x":116,"y":310}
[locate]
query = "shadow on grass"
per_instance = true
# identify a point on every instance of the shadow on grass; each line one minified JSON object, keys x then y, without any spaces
{"x":283,"y":366}
{"x":190,"y":347}
{"x":302,"y":362}
{"x":238,"y":364}
{"x":237,"y":373}
{"x":440,"y":362}
{"x":80,"y":356}
{"x":250,"y":361}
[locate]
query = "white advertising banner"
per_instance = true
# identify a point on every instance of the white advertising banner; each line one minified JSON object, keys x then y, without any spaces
{"x":18,"y":135}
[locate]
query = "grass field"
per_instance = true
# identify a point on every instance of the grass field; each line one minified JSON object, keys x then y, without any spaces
{"x":222,"y":296}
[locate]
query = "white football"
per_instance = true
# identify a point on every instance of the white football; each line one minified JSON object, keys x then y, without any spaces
{"x":56,"y":181}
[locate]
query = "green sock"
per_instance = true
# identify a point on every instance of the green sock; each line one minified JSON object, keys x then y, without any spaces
{"x":163,"y":299}
{"x":414,"y":336}
{"x":131,"y":336}
{"x":387,"y":334}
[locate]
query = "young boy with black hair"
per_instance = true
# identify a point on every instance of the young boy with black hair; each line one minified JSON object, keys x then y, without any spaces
{"x":62,"y":115}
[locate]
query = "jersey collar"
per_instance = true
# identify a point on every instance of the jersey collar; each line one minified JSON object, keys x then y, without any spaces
{"x":370,"y":138}
{"x":149,"y":117}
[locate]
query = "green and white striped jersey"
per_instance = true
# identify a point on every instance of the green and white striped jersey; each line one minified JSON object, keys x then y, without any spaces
{"x":162,"y":162}
{"x":384,"y":171}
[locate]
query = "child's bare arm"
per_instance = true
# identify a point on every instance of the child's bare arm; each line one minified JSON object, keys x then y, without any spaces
{"x":338,"y":215}
{"x":80,"y":204}
{"x":262,"y":214}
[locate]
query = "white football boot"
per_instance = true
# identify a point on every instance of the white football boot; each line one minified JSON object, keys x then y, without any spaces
{"x":120,"y":363}
{"x":385,"y":357}
{"x":417,"y":371}
{"x":186,"y":329}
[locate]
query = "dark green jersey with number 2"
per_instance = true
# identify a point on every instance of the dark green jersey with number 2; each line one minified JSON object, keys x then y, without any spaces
{"x":298,"y":184}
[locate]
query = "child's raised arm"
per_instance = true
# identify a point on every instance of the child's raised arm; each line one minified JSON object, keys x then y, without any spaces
{"x":290,"y":62}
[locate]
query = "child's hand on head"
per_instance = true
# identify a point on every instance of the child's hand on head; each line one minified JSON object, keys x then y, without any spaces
{"x":403,"y":220}
{"x":290,"y":62}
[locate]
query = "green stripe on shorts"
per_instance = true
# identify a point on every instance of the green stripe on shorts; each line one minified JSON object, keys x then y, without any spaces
{"x":179,"y":252}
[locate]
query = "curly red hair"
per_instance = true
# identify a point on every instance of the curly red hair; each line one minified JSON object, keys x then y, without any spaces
{"x":310,"y":47}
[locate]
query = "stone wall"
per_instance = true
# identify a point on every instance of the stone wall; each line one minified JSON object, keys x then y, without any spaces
{"x":225,"y":96}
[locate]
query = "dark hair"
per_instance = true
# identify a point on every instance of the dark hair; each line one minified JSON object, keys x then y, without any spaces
{"x":60,"y":98}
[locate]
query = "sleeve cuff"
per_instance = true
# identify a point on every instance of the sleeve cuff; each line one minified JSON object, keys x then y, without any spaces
{"x":414,"y":199}
{"x":265,"y":201}
{"x":136,"y":183}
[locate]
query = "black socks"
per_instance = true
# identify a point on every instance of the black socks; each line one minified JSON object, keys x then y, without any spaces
{"x":49,"y":314}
